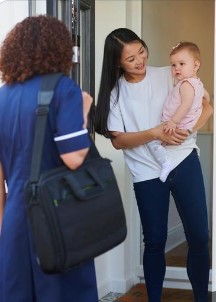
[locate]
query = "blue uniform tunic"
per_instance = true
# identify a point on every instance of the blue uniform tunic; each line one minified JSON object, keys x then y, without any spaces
{"x":21,"y":279}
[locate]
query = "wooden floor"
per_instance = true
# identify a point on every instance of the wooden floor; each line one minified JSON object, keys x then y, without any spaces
{"x":138,"y":294}
{"x":177,"y":257}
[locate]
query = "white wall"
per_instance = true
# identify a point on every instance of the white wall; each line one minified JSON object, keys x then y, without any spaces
{"x":11,"y":12}
{"x":14,"y":11}
{"x":116,"y":270}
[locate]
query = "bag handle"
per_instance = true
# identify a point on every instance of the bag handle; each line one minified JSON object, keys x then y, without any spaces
{"x":79,"y":191}
{"x":45,"y":95}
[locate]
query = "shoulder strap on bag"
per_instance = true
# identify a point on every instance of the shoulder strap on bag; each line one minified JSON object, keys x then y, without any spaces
{"x":45,"y":95}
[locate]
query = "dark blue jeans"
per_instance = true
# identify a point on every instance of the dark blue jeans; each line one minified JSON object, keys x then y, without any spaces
{"x":186,"y":185}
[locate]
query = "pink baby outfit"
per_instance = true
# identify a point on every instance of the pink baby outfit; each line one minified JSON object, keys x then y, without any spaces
{"x":174,"y":101}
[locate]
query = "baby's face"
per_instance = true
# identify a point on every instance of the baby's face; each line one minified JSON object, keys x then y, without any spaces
{"x":184,"y":65}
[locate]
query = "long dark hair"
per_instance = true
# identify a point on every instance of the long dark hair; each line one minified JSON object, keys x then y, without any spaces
{"x":111,"y":72}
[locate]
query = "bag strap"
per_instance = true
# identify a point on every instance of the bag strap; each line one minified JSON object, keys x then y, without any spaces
{"x":45,"y":95}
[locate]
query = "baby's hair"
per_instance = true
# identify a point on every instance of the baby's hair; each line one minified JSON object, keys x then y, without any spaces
{"x":191,"y":47}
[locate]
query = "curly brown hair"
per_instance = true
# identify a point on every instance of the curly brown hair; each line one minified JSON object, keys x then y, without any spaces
{"x":36,"y":45}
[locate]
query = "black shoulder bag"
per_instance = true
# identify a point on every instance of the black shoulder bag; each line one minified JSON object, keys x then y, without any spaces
{"x":75,"y":215}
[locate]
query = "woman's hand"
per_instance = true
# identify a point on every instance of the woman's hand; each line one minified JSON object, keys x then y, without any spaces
{"x":87,"y":102}
{"x":175,"y":138}
{"x":207,"y":111}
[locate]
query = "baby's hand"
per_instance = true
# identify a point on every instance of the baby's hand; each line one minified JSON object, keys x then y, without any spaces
{"x":170,"y":127}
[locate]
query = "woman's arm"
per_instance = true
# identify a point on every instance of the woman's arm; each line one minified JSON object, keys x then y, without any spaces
{"x":122,"y":140}
{"x":2,"y":195}
{"x":128,"y":140}
{"x":207,"y":111}
{"x":74,"y":159}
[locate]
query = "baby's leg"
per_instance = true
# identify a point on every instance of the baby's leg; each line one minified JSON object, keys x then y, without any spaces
{"x":161,"y":155}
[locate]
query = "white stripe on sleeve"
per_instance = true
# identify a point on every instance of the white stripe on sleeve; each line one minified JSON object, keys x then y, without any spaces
{"x":71,"y":135}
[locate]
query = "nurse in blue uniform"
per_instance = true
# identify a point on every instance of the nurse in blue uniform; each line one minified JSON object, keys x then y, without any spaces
{"x":36,"y":46}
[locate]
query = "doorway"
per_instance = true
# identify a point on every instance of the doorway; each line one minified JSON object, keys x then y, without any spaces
{"x":164,"y":24}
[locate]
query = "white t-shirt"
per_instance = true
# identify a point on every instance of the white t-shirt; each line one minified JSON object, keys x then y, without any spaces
{"x":139,"y":108}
